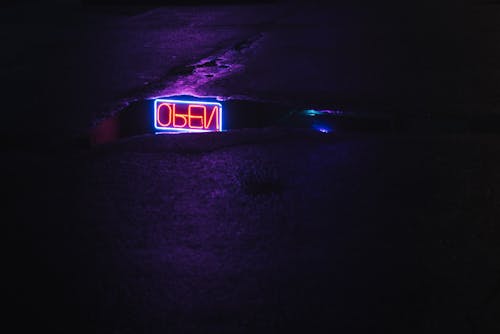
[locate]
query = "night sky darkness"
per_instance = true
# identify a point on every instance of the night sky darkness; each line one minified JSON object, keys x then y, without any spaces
{"x":380,"y":214}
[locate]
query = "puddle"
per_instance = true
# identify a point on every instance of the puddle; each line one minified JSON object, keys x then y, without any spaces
{"x":137,"y":119}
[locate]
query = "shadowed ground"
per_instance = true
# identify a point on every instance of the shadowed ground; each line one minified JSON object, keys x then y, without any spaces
{"x":262,"y":230}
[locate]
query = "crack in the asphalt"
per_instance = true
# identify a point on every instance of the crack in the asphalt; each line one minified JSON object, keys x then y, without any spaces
{"x":186,"y":79}
{"x":213,"y":67}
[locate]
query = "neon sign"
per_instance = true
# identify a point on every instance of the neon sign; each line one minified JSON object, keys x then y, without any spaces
{"x":189,"y":116}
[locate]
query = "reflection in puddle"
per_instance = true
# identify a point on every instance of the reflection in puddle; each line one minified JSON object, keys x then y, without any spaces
{"x":138,"y":119}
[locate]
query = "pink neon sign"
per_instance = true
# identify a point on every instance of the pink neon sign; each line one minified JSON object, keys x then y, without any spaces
{"x":177,"y":115}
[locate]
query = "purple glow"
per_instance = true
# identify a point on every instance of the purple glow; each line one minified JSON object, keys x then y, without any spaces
{"x":194,"y":116}
{"x":322,"y":128}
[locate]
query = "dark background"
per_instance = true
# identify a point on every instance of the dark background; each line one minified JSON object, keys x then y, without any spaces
{"x":352,"y":232}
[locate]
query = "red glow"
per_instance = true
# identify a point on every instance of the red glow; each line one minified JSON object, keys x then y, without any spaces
{"x":181,"y":115}
{"x":192,"y":116}
{"x":161,"y":114}
{"x":215,"y":111}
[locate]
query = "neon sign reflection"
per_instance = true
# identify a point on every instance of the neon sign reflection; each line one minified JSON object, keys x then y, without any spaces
{"x":189,"y":116}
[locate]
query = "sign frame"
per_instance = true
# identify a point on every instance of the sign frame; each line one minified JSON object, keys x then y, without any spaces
{"x":186,"y":118}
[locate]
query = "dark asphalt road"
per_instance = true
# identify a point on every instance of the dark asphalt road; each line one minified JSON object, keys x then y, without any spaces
{"x":258,"y":231}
